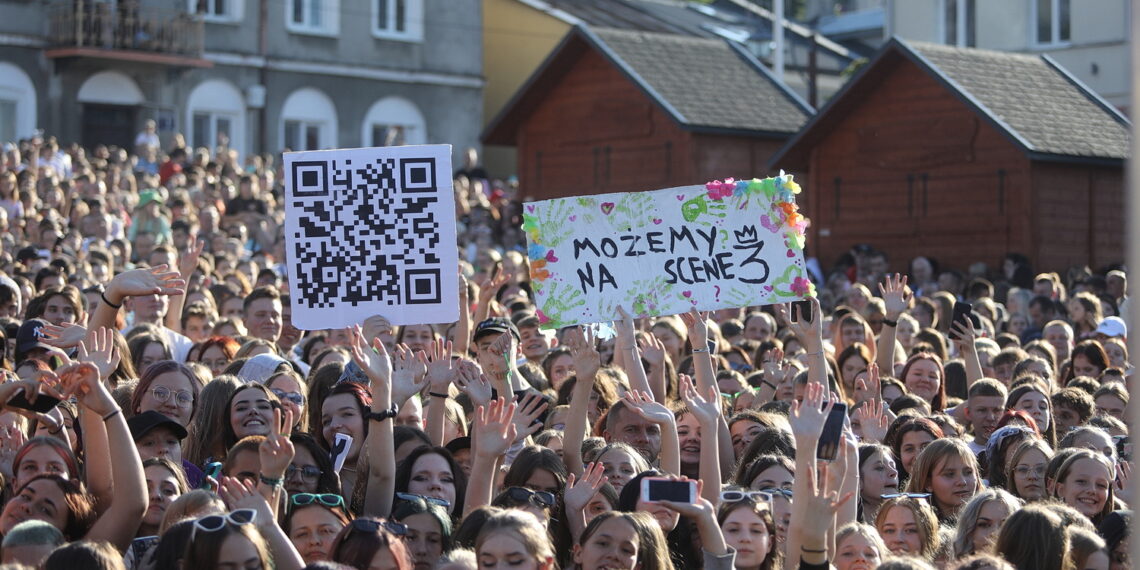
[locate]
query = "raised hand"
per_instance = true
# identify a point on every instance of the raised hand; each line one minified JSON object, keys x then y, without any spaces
{"x":695,"y":510}
{"x":238,"y":494}
{"x":822,"y":504}
{"x":376,"y":364}
{"x":12,"y":438}
{"x":642,"y":404}
{"x":474,"y":383}
{"x":896,"y":295}
{"x":579,"y":490}
{"x":962,"y":336}
{"x":625,"y":331}
{"x":99,"y":348}
{"x":441,"y":368}
{"x":81,"y":381}
{"x":587,"y":360}
{"x":276,"y":451}
{"x":67,"y":335}
{"x":494,"y":428}
{"x":157,"y":280}
{"x":706,"y":410}
{"x":809,"y":333}
{"x":408,"y":372}
{"x":188,"y":262}
{"x":873,"y":420}
{"x":808,"y":417}
{"x":507,"y":346}
{"x":697,"y":324}
{"x":652,"y":350}
{"x":871,"y":387}
{"x":531,"y":407}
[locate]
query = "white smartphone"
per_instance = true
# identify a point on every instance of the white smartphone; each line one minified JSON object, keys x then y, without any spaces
{"x":655,"y":489}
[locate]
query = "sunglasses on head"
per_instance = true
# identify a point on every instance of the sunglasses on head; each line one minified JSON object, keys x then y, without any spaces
{"x":773,"y":491}
{"x":538,"y":498}
{"x":327,"y":499}
{"x":907,"y":495}
{"x":214,"y":523}
{"x":737,"y":496}
{"x":373,"y":525}
{"x":294,"y":397}
{"x":431,"y":500}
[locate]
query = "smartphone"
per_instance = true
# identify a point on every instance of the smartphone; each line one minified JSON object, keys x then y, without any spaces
{"x":655,"y":489}
{"x":1123,"y":447}
{"x":43,"y":405}
{"x":832,"y":436}
{"x":801,"y":311}
{"x":961,"y":315}
{"x":213,"y":469}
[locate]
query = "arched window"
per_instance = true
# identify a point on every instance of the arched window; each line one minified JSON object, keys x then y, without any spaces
{"x":111,"y":88}
{"x":393,"y":121}
{"x":308,"y":121}
{"x":215,"y":107}
{"x":17,"y":103}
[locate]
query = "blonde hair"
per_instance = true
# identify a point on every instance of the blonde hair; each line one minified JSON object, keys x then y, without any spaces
{"x":195,"y":504}
{"x":922,"y":471}
{"x":524,"y":527}
{"x":924,"y":518}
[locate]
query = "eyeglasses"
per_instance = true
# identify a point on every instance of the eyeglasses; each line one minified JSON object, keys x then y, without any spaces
{"x":327,"y":499}
{"x":538,"y":498}
{"x":214,"y":523}
{"x":1025,"y":470}
{"x":737,"y":496}
{"x":907,"y":495}
{"x":372,"y":525}
{"x":308,"y":473}
{"x":739,"y":366}
{"x":431,"y":500}
{"x":295,"y":397}
{"x":773,"y":491}
{"x":184,"y":398}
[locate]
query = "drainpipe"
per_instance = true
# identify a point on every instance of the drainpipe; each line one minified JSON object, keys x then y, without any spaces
{"x":262,"y":72}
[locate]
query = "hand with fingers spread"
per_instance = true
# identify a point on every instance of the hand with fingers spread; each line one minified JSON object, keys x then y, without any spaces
{"x":471,"y":380}
{"x":583,"y":349}
{"x":869,"y":387}
{"x":375,"y":362}
{"x":81,"y":381}
{"x":441,"y":368}
{"x":238,"y":494}
{"x":12,"y":438}
{"x":652,"y":350}
{"x":697,"y":323}
{"x":873,"y":421}
{"x":642,"y":404}
{"x":896,"y":295}
{"x":157,"y":280}
{"x":65,"y":335}
{"x":276,"y":451}
{"x":409,"y":370}
{"x":821,"y":504}
{"x":809,"y":416}
{"x":706,"y":409}
{"x":581,"y":490}
{"x":531,"y":406}
{"x":99,"y":348}
{"x":494,"y":429}
{"x":1123,"y":483}
{"x":188,"y":262}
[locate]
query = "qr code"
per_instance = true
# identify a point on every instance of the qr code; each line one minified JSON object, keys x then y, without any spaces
{"x":366,"y":229}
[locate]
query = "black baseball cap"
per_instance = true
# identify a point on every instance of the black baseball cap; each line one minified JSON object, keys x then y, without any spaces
{"x":29,"y":254}
{"x":29,"y":335}
{"x":142,"y":424}
{"x":495,"y":325}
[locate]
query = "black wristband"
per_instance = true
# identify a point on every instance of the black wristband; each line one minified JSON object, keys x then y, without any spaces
{"x":437,"y":395}
{"x":383,"y":414}
{"x":103,"y":295}
{"x":890,"y":323}
{"x":767,"y":383}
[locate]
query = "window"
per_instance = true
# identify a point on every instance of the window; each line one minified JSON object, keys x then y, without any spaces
{"x":1053,"y":21}
{"x":958,"y":23}
{"x":320,"y":17}
{"x":398,"y":19}
{"x":302,"y":135}
{"x":394,"y":121}
{"x":210,"y":129}
{"x":218,"y":10}
{"x":8,"y":126}
{"x":215,"y":112}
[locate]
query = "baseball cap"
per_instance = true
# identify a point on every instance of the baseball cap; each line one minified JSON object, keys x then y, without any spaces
{"x":495,"y":325}
{"x":1112,"y":326}
{"x":29,"y":335}
{"x":142,"y":424}
{"x":29,"y":254}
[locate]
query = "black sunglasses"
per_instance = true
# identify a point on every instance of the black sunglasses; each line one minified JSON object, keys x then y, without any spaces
{"x":538,"y":498}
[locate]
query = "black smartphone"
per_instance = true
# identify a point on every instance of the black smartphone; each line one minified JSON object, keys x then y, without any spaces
{"x":655,"y":489}
{"x":43,"y":405}
{"x":832,"y":436}
{"x":1123,"y":447}
{"x":961,"y":315}
{"x":801,"y":311}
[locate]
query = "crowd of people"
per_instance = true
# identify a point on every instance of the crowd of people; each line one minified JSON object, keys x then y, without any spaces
{"x":159,"y":409}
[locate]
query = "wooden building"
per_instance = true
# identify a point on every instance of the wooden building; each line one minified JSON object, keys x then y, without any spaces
{"x":964,"y":155}
{"x":618,"y":110}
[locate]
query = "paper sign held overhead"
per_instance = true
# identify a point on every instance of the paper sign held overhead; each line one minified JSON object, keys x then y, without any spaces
{"x":725,"y":244}
{"x":371,"y":231}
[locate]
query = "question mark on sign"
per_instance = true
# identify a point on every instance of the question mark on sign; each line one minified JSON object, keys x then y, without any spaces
{"x":717,"y":292}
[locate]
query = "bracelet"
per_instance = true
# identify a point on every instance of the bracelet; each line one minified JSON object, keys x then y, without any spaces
{"x":806,"y":549}
{"x":112,"y":414}
{"x":270,"y":480}
{"x":696,"y":350}
{"x":767,"y":383}
{"x":890,"y":323}
{"x":103,"y":295}
{"x":437,"y":395}
{"x":814,"y":353}
{"x":383,"y":414}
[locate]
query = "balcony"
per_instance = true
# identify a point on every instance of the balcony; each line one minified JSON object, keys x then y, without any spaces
{"x":125,"y":32}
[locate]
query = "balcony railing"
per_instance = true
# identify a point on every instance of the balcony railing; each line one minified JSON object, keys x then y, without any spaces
{"x":125,"y":26}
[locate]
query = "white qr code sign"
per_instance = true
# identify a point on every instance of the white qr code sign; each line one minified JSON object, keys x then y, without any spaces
{"x":371,"y":231}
